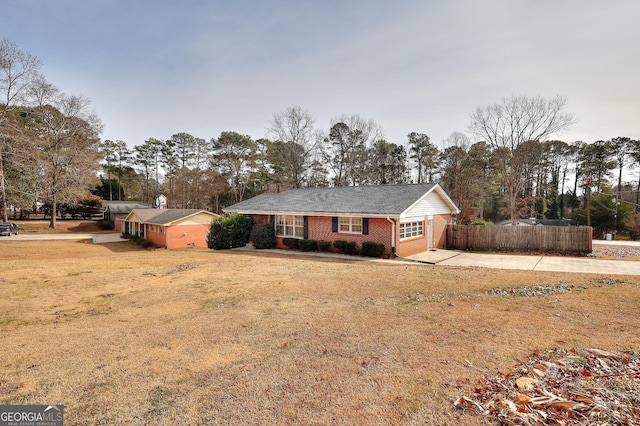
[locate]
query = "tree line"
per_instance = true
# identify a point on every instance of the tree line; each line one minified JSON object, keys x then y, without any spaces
{"x":508,"y":166}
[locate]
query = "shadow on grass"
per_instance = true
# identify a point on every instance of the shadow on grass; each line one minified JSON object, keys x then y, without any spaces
{"x":115,"y":247}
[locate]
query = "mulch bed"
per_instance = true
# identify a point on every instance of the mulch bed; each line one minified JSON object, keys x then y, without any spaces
{"x":562,"y":387}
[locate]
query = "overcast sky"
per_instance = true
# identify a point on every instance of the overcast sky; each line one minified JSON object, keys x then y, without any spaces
{"x":153,"y":68}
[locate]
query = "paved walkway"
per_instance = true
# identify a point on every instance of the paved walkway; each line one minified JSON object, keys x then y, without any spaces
{"x":435,"y":257}
{"x":531,"y":262}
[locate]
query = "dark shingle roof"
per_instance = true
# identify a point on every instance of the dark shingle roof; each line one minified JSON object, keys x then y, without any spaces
{"x":119,"y":207}
{"x":375,"y":200}
{"x":165,"y":216}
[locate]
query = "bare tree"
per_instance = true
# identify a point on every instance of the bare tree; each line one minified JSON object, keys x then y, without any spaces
{"x":65,"y":133}
{"x":18,"y":72}
{"x":510,"y":123}
{"x":292,"y":134}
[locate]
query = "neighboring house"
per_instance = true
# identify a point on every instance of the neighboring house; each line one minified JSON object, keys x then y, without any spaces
{"x":161,"y":202}
{"x":116,"y":211}
{"x":541,"y":222}
{"x":170,"y":228}
{"x":407,"y":219}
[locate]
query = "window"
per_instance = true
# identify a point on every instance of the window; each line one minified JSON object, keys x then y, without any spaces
{"x":350,"y":225}
{"x":289,"y":226}
{"x":411,"y":229}
{"x":152,"y":228}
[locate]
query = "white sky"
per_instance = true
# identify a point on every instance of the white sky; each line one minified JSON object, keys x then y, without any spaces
{"x":153,"y":68}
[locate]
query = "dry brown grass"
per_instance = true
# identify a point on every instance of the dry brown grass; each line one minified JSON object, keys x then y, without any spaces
{"x":127,"y":336}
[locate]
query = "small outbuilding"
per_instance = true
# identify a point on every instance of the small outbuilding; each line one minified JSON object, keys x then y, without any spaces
{"x":406,"y":219}
{"x":170,"y":228}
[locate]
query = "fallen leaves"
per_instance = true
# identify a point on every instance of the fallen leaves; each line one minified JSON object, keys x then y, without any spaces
{"x":562,"y":387}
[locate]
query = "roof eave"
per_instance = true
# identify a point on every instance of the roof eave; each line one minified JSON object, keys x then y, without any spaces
{"x":324,"y":214}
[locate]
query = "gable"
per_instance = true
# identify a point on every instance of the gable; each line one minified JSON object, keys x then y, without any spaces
{"x":201,"y":218}
{"x":432,"y":203}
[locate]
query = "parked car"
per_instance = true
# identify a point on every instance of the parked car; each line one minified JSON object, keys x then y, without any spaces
{"x":8,"y":228}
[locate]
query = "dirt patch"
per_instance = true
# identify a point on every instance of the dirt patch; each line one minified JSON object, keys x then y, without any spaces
{"x":130,"y":336}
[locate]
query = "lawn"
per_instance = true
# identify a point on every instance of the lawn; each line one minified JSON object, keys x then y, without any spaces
{"x":120,"y":335}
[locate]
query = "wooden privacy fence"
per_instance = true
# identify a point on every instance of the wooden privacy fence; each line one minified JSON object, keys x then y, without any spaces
{"x":559,"y":239}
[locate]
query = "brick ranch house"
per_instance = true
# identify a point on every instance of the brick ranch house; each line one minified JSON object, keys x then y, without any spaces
{"x":407,"y":219}
{"x":170,"y":228}
{"x":117,"y":211}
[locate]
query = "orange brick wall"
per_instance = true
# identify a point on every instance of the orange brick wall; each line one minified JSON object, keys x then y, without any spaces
{"x":175,"y":238}
{"x":420,"y":244}
{"x":412,"y":245}
{"x":440,"y":223}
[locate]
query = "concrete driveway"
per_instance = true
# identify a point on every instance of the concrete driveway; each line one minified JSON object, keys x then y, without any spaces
{"x":533,"y":262}
{"x":111,"y":237}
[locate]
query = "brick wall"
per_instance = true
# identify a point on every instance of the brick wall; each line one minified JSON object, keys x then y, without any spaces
{"x":411,"y":245}
{"x":320,"y":228}
{"x":420,"y":244}
{"x":196,"y":236}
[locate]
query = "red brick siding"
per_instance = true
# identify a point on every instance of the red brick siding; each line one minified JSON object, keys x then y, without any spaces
{"x":320,"y":228}
{"x":261,"y":218}
{"x":118,"y":220}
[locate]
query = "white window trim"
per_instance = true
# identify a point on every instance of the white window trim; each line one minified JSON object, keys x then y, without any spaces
{"x":416,"y":226}
{"x":351,"y":225}
{"x":293,"y":226}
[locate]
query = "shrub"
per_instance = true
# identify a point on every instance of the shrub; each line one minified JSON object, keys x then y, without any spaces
{"x":229,"y":231}
{"x":481,"y":223}
{"x":308,"y":245}
{"x":263,"y":236}
{"x":348,"y":247}
{"x":291,"y":243}
{"x":372,"y":249}
{"x":324,"y":245}
{"x":340,"y":245}
{"x":107,"y":225}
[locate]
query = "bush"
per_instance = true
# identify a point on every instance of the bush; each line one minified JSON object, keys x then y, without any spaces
{"x":229,"y":231}
{"x":348,"y":247}
{"x":481,"y":223}
{"x":324,"y":245}
{"x":372,"y":249}
{"x":107,"y":225}
{"x":291,"y":243}
{"x":308,"y":245}
{"x":263,"y":236}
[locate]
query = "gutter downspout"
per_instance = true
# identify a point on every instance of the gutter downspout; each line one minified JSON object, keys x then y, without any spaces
{"x":393,"y":236}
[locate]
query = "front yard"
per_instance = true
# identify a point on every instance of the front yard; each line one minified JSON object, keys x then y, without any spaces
{"x":127,"y":336}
